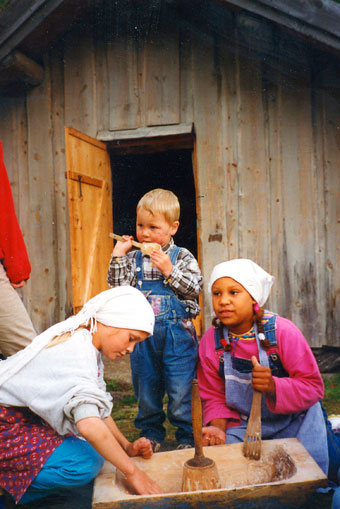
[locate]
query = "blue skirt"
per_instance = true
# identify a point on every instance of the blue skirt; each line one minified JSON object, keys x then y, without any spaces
{"x":74,"y":463}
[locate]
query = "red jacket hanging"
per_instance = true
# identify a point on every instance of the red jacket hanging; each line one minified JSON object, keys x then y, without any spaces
{"x":13,"y":252}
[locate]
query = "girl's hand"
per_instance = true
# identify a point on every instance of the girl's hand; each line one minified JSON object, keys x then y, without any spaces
{"x":212,"y":436}
{"x":142,"y":484}
{"x":121,"y":248}
{"x":141,"y":447}
{"x":262,"y":379}
{"x":162,"y":261}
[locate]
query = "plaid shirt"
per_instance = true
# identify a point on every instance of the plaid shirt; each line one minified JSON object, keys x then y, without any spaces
{"x":185,"y":280}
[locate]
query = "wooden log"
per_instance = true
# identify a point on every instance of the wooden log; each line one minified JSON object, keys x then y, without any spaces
{"x":23,"y":67}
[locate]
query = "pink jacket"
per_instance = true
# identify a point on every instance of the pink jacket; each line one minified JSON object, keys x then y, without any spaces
{"x":299,"y":391}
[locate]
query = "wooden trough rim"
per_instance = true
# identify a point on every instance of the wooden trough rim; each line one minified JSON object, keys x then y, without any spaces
{"x":296,"y":486}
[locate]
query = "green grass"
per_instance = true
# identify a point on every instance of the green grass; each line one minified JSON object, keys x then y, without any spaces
{"x":331,"y":400}
{"x":125,"y":410}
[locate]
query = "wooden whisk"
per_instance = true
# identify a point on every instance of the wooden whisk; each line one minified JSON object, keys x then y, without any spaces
{"x":252,"y":439}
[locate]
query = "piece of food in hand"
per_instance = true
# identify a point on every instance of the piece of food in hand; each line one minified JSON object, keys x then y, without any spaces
{"x":148,"y":247}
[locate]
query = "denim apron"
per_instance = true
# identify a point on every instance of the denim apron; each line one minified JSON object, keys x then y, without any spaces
{"x":164,"y":362}
{"x":308,"y":426}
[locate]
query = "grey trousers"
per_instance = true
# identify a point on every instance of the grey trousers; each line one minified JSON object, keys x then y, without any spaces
{"x":16,"y":328}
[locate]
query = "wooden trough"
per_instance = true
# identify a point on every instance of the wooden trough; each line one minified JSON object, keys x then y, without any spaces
{"x":284,"y":477}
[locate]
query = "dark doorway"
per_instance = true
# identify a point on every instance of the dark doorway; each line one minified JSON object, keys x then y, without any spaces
{"x":133,"y":175}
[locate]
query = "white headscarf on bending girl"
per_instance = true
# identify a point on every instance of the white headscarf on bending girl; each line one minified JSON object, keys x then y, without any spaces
{"x":251,"y":276}
{"x":124,"y":307}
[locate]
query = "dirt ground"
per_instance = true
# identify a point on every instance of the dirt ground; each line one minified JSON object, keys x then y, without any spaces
{"x":118,"y":369}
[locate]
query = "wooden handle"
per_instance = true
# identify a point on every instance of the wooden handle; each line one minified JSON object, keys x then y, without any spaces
{"x":196,"y":412}
{"x":255,"y":411}
{"x":119,"y":237}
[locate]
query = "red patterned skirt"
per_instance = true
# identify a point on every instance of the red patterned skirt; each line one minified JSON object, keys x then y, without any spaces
{"x":26,"y":442}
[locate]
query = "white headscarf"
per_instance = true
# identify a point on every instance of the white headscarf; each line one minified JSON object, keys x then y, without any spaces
{"x":246,"y":272}
{"x":124,"y":307}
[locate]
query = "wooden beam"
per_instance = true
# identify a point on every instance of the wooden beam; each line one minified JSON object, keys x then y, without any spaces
{"x":22,"y":67}
{"x":145,"y":140}
{"x":146,"y":132}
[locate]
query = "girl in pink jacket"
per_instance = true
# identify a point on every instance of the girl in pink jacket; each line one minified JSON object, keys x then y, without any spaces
{"x":252,"y":348}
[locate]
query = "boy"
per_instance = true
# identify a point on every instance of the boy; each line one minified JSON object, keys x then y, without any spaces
{"x":171,"y":280}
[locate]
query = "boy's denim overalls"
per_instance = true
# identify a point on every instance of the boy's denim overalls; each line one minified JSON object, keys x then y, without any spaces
{"x":308,"y":426}
{"x":164,"y":362}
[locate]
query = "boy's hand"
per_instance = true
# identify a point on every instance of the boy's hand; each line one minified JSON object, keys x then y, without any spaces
{"x":262,"y":379}
{"x":162,"y":261}
{"x":140,"y":447}
{"x":212,"y":435}
{"x":121,"y":248}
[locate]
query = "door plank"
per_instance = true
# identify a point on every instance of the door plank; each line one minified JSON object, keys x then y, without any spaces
{"x":90,"y":213}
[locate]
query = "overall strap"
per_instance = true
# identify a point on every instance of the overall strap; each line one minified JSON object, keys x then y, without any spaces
{"x":139,"y":266}
{"x":269,"y":330}
{"x":263,"y":357}
{"x":218,"y":347}
{"x":174,"y":255}
{"x":218,"y":344}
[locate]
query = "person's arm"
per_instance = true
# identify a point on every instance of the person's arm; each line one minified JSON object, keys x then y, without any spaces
{"x":140,"y":447}
{"x":12,"y":246}
{"x":185,"y":276}
{"x":110,"y":443}
{"x":304,"y":386}
{"x":122,"y":266}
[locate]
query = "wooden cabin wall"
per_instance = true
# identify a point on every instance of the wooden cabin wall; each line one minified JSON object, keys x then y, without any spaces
{"x":32,"y":131}
{"x":267,"y":149}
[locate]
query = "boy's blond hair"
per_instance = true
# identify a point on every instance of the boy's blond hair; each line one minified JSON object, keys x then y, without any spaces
{"x":161,"y":201}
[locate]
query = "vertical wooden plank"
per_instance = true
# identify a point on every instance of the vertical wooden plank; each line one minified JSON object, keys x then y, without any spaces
{"x":13,"y":134}
{"x":63,"y":259}
{"x":331,"y":192}
{"x":42,"y":232}
{"x":230,"y":150}
{"x":186,"y":97}
{"x":253,"y":211}
{"x":298,"y":190}
{"x":90,"y":210}
{"x":210,"y":171}
{"x":80,"y":81}
{"x":101,"y":43}
{"x":123,"y":79}
{"x":276,"y":237}
{"x":162,"y":78}
{"x":319,"y":336}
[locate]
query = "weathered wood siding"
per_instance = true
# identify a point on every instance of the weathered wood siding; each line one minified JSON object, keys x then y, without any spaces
{"x":266,"y":111}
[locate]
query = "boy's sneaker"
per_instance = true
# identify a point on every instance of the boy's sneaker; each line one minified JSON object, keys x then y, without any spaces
{"x":183,"y":446}
{"x":155,"y":445}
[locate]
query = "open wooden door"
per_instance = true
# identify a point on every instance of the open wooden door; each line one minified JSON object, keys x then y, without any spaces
{"x":90,"y":210}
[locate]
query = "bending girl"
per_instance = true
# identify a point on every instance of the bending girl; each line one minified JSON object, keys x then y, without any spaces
{"x":55,"y":423}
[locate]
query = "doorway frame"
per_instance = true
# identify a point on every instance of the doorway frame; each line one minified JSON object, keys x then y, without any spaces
{"x":144,"y":140}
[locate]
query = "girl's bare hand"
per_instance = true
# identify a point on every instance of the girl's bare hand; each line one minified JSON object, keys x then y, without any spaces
{"x":141,"y":447}
{"x":211,"y":435}
{"x":121,"y":248}
{"x":262,"y":379}
{"x":142,"y":484}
